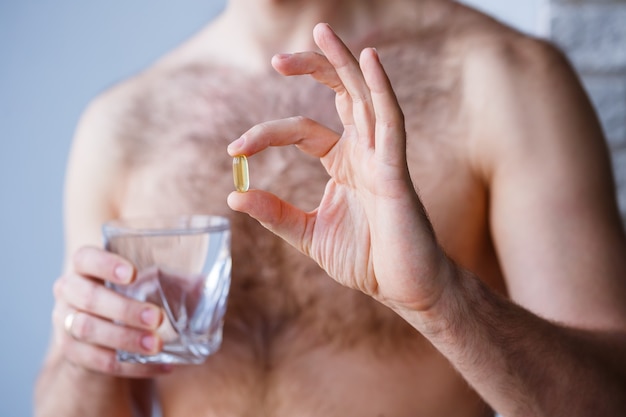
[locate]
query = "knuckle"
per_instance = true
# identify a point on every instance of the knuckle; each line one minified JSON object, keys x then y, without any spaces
{"x":301,"y":119}
{"x":257,"y":129}
{"x":131,"y":341}
{"x":90,"y":297}
{"x":83,"y":327}
{"x":108,"y":363}
{"x":57,"y":287}
{"x":81,"y":255}
{"x":261,"y":130}
{"x":392,"y":122}
{"x":342,"y":93}
{"x":387,"y":124}
{"x":305,"y":122}
{"x":359,"y":98}
{"x":129,"y":313}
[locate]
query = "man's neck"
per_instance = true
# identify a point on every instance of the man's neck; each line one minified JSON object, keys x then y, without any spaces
{"x":286,"y":25}
{"x":249,"y":32}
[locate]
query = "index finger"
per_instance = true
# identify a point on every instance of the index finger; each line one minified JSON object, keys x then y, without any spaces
{"x":308,"y":135}
{"x":98,"y":263}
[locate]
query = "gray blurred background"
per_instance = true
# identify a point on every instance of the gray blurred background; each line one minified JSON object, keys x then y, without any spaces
{"x":56,"y":55}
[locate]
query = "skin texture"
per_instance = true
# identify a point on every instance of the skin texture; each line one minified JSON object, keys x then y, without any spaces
{"x":514,"y":187}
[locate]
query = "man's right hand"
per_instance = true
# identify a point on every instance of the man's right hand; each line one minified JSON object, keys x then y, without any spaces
{"x":92,"y":321}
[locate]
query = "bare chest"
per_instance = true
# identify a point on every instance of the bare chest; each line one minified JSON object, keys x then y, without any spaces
{"x":282,"y":307}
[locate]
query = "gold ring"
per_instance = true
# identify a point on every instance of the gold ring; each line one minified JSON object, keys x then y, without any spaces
{"x":69,"y":322}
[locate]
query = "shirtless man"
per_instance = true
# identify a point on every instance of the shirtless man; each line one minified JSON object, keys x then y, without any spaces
{"x":511,"y":167}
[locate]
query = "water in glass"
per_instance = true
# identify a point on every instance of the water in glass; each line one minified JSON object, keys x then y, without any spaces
{"x":183,"y":265}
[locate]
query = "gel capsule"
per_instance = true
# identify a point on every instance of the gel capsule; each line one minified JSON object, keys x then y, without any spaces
{"x":240,"y":173}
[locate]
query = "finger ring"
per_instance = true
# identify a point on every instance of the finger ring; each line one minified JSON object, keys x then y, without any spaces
{"x":68,"y":322}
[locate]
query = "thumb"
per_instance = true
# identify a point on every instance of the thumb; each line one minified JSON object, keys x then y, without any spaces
{"x":276,"y":215}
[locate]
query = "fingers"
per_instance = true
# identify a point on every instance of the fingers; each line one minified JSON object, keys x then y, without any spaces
{"x":86,"y":328}
{"x":91,"y":343}
{"x":309,"y":63}
{"x":390,"y":136}
{"x":281,"y":218}
{"x":318,"y":67}
{"x":310,"y":136}
{"x":92,"y":322}
{"x":365,"y":98}
{"x":349,"y":72}
{"x":339,"y":70}
{"x":93,"y":298}
{"x":95,"y":262}
{"x":104,"y":360}
{"x":101,"y":360}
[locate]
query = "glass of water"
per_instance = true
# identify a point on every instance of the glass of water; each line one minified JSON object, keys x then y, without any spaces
{"x":183,"y":265}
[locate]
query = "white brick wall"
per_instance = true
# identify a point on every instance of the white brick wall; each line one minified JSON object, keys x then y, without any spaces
{"x":593,"y":34}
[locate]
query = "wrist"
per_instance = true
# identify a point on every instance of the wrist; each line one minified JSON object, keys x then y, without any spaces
{"x":445,"y":309}
{"x":64,"y":388}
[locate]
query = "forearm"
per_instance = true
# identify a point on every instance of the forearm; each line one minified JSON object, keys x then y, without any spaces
{"x":68,"y":390}
{"x":521,"y":364}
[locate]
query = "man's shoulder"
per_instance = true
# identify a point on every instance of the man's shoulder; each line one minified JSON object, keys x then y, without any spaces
{"x":452,"y":32}
{"x":514,"y":69}
{"x":113,"y":104}
{"x":489,"y":47}
{"x":112,"y":118}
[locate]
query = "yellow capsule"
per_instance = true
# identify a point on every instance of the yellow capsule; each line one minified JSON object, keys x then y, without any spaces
{"x":241,"y":175}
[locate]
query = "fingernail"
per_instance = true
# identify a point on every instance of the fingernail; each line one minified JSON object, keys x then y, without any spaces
{"x":149,"y":343}
{"x":234,"y":146}
{"x":150,"y":317}
{"x":376,"y":54}
{"x":283,"y":56}
{"x":124,"y":273}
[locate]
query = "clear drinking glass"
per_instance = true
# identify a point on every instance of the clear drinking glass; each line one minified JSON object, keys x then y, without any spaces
{"x":183,"y":265}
